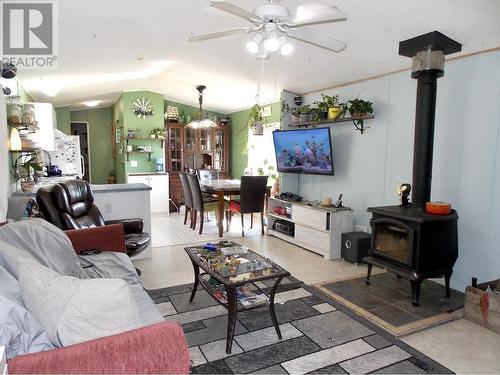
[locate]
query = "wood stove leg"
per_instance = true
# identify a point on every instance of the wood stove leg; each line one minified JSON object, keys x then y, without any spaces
{"x":369,"y":273}
{"x":415,"y":291}
{"x":447,"y":278}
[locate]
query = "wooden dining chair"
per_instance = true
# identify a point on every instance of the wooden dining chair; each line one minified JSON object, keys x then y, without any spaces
{"x":202,"y":203}
{"x":252,"y":197}
{"x":188,"y":198}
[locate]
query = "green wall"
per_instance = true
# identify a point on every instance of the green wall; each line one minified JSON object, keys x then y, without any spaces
{"x":131,"y":121}
{"x":101,"y":159}
{"x":239,"y":137}
{"x":63,"y":116}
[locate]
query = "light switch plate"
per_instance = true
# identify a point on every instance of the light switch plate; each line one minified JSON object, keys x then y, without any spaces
{"x":133,"y":163}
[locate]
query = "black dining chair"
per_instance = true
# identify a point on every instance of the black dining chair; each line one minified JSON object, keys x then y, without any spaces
{"x":252,"y":197}
{"x":188,"y":198}
{"x":202,"y":203}
{"x":207,"y":174}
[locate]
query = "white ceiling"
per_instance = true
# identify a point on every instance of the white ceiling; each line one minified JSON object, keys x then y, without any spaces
{"x":110,"y":46}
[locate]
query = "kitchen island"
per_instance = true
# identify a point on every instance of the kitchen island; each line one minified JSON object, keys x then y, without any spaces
{"x":115,"y":201}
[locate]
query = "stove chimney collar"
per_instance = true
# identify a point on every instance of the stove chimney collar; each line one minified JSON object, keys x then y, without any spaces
{"x":428,"y":51}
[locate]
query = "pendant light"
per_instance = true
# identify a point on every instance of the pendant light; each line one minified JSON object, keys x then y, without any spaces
{"x":201,"y":119}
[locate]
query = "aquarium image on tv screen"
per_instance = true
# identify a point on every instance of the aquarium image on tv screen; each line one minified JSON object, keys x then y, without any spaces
{"x":304,"y":151}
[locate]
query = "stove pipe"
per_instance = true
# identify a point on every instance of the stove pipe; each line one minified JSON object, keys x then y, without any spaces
{"x":428,"y":53}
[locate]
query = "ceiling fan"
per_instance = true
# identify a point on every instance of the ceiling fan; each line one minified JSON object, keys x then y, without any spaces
{"x":273,"y":23}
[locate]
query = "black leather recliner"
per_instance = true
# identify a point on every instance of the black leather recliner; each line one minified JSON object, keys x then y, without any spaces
{"x":70,"y":205}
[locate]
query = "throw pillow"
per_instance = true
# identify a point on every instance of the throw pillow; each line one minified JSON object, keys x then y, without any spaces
{"x":73,"y":310}
{"x":20,"y":333}
{"x":41,"y":241}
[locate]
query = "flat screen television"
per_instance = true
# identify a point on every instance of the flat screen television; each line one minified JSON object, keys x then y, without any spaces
{"x":306,"y":151}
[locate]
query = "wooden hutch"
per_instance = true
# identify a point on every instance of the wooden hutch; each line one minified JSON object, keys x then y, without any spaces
{"x":188,"y":148}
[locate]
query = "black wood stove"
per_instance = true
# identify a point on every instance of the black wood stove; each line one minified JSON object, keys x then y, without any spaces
{"x":406,"y":240}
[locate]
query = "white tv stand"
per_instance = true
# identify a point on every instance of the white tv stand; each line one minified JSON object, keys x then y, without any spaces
{"x":317,"y":228}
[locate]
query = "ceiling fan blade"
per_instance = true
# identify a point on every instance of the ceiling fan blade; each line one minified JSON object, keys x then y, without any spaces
{"x":318,"y":40}
{"x":218,"y":34}
{"x":312,"y":14}
{"x":234,"y":10}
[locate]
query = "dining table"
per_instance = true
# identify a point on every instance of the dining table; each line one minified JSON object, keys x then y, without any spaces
{"x":222,"y":188}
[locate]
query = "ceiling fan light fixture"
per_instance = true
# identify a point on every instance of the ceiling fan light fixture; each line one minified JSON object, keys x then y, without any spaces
{"x":254,"y":44}
{"x":271,"y":43}
{"x":286,"y":49}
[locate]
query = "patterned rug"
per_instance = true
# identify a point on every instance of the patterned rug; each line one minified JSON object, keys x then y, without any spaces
{"x":320,"y":336}
{"x":387,"y":302}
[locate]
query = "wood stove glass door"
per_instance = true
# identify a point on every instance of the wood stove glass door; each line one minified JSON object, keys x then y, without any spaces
{"x":393,"y":239}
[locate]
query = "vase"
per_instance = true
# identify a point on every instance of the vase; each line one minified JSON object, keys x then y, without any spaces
{"x":334,"y":113}
{"x":28,"y":186}
{"x":258,"y":128}
{"x":275,"y":190}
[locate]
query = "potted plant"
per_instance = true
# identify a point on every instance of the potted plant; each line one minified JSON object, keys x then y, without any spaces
{"x":295,"y":114}
{"x":359,"y":108}
{"x":335,"y":107}
{"x":255,"y":120}
{"x":305,"y":113}
{"x":322,"y":109}
{"x":158,"y":133}
{"x":111,"y":177}
{"x":26,"y":172}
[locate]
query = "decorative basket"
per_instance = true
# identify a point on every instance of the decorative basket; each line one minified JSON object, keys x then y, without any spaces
{"x":171,"y":113}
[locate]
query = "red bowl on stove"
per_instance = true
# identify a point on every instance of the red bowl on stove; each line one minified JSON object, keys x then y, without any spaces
{"x":438,"y":208}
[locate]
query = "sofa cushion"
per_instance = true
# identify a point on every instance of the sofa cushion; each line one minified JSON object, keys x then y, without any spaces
{"x":41,"y":241}
{"x":73,"y":310}
{"x":20,"y":333}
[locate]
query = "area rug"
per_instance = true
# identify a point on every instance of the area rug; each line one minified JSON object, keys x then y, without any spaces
{"x":319,"y":336}
{"x":170,"y":230}
{"x":387,"y":302}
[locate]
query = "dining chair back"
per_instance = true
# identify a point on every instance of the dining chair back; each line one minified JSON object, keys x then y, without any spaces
{"x":252,"y":194}
{"x":252,"y":199}
{"x":208,"y":174}
{"x":201,"y":203}
{"x":188,"y":197}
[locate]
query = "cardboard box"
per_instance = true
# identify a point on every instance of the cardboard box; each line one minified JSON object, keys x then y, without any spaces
{"x":483,"y":308}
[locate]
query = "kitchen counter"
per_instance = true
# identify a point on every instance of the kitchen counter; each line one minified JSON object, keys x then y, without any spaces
{"x":148,"y":174}
{"x":100,"y":189}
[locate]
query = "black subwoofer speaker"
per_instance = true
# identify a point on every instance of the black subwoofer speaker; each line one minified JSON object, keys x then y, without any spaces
{"x":355,"y":246}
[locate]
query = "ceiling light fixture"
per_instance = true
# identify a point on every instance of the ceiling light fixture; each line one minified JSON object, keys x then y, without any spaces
{"x":286,"y":49}
{"x":51,"y":91}
{"x":254,"y":44}
{"x":201,"y":119}
{"x":271,"y":43}
{"x":92,"y":103}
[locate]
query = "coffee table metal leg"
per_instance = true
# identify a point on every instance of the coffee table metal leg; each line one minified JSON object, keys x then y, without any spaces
{"x":196,"y":269}
{"x":232,"y":309}
{"x":271,"y":307}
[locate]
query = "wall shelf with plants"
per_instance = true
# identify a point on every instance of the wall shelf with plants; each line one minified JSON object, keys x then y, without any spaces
{"x":139,"y":152}
{"x":330,"y":110}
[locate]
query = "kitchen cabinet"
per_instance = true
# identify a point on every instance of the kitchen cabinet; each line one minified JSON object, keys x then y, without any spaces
{"x":189,"y":148}
{"x":159,"y":195}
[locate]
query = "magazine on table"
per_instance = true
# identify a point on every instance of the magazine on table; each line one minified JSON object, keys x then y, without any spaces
{"x":244,"y":295}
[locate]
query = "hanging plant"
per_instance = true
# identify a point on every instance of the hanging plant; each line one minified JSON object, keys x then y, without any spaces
{"x":255,"y":121}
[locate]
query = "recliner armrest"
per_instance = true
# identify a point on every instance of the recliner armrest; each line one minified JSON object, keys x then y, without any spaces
{"x":105,"y":238}
{"x":134,"y":225}
{"x":157,"y":349}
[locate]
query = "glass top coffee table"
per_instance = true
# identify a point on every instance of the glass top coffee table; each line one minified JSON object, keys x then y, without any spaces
{"x":230,"y":273}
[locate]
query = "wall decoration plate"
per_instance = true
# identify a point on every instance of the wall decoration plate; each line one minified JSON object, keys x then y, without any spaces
{"x":143,"y":108}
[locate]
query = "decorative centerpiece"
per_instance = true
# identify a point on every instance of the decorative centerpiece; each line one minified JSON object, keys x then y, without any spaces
{"x":172,"y":113}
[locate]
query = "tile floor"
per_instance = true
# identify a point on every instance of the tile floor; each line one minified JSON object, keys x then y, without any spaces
{"x":450,"y":344}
